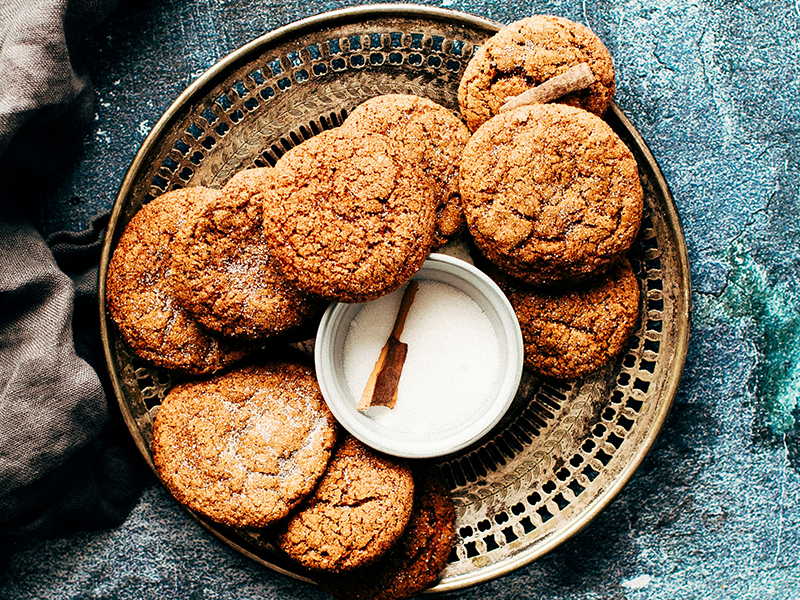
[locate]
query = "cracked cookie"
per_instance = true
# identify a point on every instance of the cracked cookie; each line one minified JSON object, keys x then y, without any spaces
{"x":550,"y":193}
{"x":359,"y":509}
{"x":570,"y":333}
{"x":416,"y":560}
{"x":243,"y":448}
{"x":433,"y":136}
{"x":141,"y":299}
{"x":527,"y":53}
{"x":348,"y":217}
{"x":222,"y":269}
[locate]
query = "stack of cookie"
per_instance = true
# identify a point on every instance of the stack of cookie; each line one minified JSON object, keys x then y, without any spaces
{"x":374,"y":528}
{"x":199,"y":275}
{"x":552,"y":196}
{"x":256,"y":447}
{"x":201,"y":278}
{"x":548,"y":195}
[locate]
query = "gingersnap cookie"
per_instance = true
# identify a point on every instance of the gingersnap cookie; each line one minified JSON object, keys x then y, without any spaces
{"x":416,"y":560}
{"x":243,"y":448}
{"x":348,"y":216}
{"x":359,"y":509}
{"x":527,"y":53}
{"x":140,"y":297}
{"x":433,"y":136}
{"x":572,"y":332}
{"x":223,"y":272}
{"x":550,"y":193}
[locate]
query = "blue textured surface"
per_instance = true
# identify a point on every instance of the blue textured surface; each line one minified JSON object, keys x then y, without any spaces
{"x":714,"y":511}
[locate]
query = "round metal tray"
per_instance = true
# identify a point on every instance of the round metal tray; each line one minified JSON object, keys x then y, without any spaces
{"x":565,"y":449}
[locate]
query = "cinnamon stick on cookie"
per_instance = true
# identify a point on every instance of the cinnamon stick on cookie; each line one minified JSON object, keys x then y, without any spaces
{"x":573,"y":79}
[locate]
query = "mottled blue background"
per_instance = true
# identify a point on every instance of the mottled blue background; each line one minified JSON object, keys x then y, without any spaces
{"x":713,"y":512}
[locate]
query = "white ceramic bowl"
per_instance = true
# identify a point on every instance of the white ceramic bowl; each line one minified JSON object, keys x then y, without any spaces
{"x":329,"y":359}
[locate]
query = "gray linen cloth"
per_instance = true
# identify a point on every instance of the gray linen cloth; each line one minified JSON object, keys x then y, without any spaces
{"x":66,"y":462}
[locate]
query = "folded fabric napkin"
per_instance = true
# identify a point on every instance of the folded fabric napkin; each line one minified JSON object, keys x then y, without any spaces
{"x":66,"y":462}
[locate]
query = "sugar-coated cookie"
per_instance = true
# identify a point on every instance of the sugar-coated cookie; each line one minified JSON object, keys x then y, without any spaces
{"x":245,"y":447}
{"x":222,"y":269}
{"x":416,"y":560}
{"x":550,"y":193}
{"x":359,"y":509}
{"x":527,"y":53}
{"x":572,"y":332}
{"x":349,"y":217}
{"x":140,"y":296}
{"x":433,"y":136}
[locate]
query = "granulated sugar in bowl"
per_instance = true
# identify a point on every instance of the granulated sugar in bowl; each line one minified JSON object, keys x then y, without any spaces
{"x":460,"y":374}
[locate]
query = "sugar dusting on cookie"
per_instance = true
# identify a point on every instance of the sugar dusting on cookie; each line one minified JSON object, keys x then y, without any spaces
{"x":451,"y":368}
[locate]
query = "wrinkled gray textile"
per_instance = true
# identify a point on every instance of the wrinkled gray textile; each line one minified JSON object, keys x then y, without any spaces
{"x":64,"y":463}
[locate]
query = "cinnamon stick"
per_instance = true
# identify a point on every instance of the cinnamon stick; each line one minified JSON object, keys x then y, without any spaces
{"x":576,"y":78}
{"x":381,"y":388}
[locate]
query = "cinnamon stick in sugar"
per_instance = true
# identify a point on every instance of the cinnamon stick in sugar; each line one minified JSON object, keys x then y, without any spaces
{"x":381,"y":388}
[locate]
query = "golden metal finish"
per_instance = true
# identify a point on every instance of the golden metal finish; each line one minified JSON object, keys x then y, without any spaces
{"x":564,"y":450}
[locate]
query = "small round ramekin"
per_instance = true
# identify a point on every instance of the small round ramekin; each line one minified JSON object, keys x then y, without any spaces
{"x":329,"y":360}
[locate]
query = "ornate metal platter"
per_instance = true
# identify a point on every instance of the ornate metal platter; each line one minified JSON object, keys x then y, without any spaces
{"x":565,"y":449}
